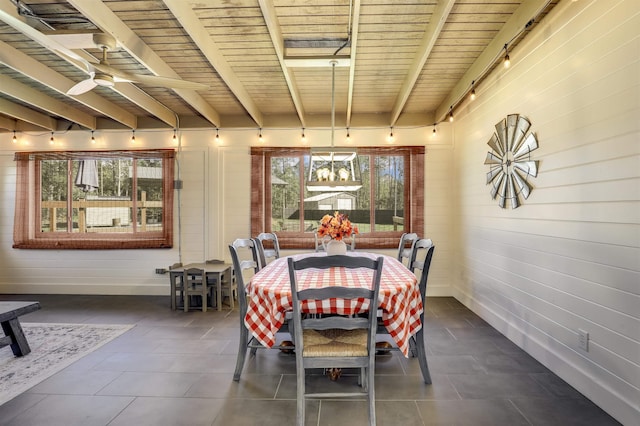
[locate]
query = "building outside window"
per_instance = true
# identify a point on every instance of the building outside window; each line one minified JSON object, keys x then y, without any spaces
{"x":378,"y":208}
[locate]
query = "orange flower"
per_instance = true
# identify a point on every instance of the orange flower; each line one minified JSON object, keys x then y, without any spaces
{"x":336,"y":227}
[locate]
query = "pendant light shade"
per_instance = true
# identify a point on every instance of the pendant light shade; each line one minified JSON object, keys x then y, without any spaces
{"x":334,"y":169}
{"x":331,"y":168}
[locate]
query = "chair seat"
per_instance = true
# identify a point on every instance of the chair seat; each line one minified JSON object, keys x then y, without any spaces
{"x":334,"y":342}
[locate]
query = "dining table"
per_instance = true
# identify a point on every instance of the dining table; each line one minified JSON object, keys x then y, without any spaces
{"x":218,"y":272}
{"x":269,"y":297}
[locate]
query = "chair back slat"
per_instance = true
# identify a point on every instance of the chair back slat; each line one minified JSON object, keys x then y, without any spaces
{"x":334,"y":322}
{"x":335,"y":292}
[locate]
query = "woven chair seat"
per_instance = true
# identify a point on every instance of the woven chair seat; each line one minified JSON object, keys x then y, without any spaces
{"x":335,"y":342}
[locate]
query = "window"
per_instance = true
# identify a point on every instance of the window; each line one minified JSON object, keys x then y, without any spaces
{"x":94,"y":199}
{"x":389,"y":203}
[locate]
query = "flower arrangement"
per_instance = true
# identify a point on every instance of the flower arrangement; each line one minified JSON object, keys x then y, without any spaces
{"x":336,"y":227}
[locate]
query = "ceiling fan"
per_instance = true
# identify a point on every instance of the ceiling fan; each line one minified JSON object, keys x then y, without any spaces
{"x":103,"y":74}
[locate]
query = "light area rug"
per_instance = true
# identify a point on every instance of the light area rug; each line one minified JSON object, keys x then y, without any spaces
{"x":53,"y":347}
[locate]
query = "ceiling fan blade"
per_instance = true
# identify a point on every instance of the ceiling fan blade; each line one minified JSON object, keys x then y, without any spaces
{"x":83,"y":87}
{"x":151,"y":80}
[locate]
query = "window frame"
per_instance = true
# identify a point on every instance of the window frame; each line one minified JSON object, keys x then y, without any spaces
{"x":413,"y":193}
{"x":26,"y":232}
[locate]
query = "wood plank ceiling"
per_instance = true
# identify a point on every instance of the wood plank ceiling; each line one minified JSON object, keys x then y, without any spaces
{"x":401,"y":62}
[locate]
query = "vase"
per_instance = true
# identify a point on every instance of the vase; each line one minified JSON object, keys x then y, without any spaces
{"x":336,"y":247}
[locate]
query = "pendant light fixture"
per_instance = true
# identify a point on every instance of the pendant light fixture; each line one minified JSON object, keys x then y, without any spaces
{"x":507,"y":60}
{"x":331,"y":168}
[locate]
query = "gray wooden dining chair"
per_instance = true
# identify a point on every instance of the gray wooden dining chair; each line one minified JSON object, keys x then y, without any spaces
{"x":420,"y":260}
{"x":404,"y":252}
{"x":195,"y":285}
{"x":266,"y":254}
{"x":335,"y":341}
{"x":244,"y":256}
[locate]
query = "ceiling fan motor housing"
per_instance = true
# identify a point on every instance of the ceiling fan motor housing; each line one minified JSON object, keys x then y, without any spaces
{"x":102,"y":79}
{"x":104,"y":41}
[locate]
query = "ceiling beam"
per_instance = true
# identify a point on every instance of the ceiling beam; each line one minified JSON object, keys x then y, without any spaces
{"x":8,"y":123}
{"x":20,"y":112}
{"x":352,"y":71}
{"x":516,"y":23}
{"x":35,"y":70}
{"x":431,"y":34}
{"x":200,"y":36}
{"x":108,"y":22}
{"x":271,"y":19}
{"x":10,"y":16}
{"x":43,"y":102}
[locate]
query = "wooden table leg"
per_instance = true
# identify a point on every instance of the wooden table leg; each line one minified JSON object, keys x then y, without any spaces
{"x":18,"y":341}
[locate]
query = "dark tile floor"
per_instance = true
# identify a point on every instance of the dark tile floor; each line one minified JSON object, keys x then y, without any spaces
{"x":175,"y":368}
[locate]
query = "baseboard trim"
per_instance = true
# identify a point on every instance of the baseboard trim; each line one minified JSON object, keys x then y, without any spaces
{"x":103,"y":289}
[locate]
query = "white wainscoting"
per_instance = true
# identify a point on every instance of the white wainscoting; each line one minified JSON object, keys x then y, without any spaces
{"x":569,"y":258}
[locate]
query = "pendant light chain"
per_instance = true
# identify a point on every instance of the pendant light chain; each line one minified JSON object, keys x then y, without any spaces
{"x":333,"y":111}
{"x":333,"y":99}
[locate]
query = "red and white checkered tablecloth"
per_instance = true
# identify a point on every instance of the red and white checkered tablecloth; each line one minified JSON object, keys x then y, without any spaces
{"x":270,"y":297}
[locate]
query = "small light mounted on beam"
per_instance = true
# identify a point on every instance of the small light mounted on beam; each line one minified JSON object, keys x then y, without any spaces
{"x":434,"y":129}
{"x":348,"y":139}
{"x":93,"y":139}
{"x":303,"y":139}
{"x":175,"y":136}
{"x":260,"y":138}
{"x":473,"y":91}
{"x":507,"y":61}
{"x":218,"y":140}
{"x":52,"y":140}
{"x":391,"y":138}
{"x":133,"y":136}
{"x":15,"y":138}
{"x":451,"y":114}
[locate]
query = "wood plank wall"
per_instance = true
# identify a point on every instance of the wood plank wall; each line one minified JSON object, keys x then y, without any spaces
{"x":569,"y":258}
{"x":214,"y":209}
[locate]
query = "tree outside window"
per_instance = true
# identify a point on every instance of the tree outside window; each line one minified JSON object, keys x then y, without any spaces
{"x":378,"y":208}
{"x":114,"y":199}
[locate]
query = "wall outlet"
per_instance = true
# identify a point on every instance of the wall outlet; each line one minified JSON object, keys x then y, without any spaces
{"x":161,"y":271}
{"x":583,"y":340}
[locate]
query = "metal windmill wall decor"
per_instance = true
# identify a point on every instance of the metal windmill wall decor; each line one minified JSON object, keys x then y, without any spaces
{"x":510,"y":160}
